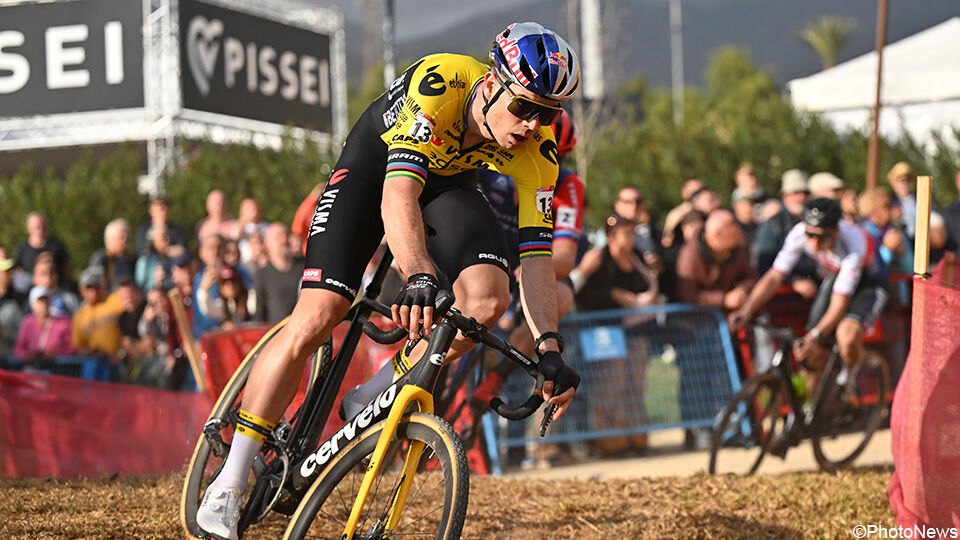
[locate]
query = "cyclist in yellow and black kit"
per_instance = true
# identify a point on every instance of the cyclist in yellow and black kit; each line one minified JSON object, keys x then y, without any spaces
{"x":407,"y":174}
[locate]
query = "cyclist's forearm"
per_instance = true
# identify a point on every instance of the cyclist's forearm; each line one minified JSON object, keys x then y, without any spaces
{"x":538,"y":293}
{"x":763,"y":292}
{"x":835,"y":311}
{"x":403,"y":226}
{"x":564,"y":257}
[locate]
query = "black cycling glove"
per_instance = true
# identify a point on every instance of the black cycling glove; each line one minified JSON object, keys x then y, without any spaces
{"x":420,"y":290}
{"x":553,"y":368}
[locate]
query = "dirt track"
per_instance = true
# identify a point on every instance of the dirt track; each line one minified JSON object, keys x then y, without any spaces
{"x":790,"y":506}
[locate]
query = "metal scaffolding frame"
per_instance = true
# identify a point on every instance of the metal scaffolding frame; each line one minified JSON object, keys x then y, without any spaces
{"x":162,"y":121}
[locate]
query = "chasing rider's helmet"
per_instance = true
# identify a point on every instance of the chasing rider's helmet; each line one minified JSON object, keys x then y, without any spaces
{"x":822,"y":213}
{"x":565,"y":132}
{"x":536,"y":58}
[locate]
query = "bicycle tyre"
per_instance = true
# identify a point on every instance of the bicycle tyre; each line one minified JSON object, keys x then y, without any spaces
{"x":873,"y":376}
{"x":761,"y":392}
{"x":195,"y":482}
{"x":439,"y":438}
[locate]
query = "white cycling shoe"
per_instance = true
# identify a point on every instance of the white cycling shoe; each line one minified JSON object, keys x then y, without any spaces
{"x":219,"y":512}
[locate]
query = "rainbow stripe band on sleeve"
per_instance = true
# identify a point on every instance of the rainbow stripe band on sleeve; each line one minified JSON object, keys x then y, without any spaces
{"x":535,"y":249}
{"x":409,"y":170}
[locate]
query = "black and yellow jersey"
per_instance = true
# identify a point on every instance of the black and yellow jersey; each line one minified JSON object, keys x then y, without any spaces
{"x":424,"y":116}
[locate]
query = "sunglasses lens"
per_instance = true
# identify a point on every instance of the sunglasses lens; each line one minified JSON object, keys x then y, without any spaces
{"x":525,"y":109}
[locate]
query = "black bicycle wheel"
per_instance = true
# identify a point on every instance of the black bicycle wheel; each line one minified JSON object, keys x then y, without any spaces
{"x":848,"y":417}
{"x":746,"y":426}
{"x":214,"y":444}
{"x":437,"y":501}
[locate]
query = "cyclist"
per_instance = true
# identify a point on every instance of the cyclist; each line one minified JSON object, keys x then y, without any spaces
{"x":567,"y":225}
{"x":401,"y":175}
{"x":850,"y":298}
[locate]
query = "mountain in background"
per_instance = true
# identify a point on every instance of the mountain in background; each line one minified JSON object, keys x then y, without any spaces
{"x":768,"y":29}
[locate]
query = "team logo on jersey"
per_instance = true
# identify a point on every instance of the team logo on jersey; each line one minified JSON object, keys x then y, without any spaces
{"x":313,"y":274}
{"x":548,"y":149}
{"x":318,"y":225}
{"x":432,"y":83}
{"x":456,"y":83}
{"x":337,"y":176}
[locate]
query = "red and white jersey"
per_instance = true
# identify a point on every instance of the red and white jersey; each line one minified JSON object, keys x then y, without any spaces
{"x":851,"y":258}
{"x":568,"y":206}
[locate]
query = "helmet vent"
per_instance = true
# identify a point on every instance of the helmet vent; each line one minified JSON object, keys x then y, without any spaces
{"x":525,"y":68}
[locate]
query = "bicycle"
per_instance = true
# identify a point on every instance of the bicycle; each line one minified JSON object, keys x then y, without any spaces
{"x":767,"y":415}
{"x":389,"y":443}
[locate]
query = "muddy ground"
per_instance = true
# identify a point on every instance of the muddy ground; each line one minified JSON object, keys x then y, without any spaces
{"x":799,"y":505}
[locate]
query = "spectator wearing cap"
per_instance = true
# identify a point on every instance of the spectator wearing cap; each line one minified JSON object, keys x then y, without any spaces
{"x":159,"y":211}
{"x":276,"y":285}
{"x":773,"y":232}
{"x":744,"y":210}
{"x":230,"y":307}
{"x":902,"y":181}
{"x":39,"y":241}
{"x":42,"y":334}
{"x":824,"y":184}
{"x":96,"y":325}
{"x":155,"y":267}
{"x":951,"y":218}
{"x":713,"y":269}
{"x":614,"y":275}
{"x":114,"y":258}
{"x":876,"y":208}
{"x":218,"y":220}
{"x":62,"y":303}
{"x":677,"y":213}
{"x":11,"y":302}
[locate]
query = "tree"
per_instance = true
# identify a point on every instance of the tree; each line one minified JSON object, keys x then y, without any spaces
{"x":827,"y":35}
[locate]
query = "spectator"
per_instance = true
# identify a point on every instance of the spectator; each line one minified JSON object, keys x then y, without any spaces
{"x":38,"y":241}
{"x":250,"y":221}
{"x":230,"y":308}
{"x":208,"y":279}
{"x":630,"y":205}
{"x":714,"y":269}
{"x":951,"y":218}
{"x":155,"y":267}
{"x":876,"y":208}
{"x":132,"y":346}
{"x":62,"y":303}
{"x":772,"y":233}
{"x":902,"y":181}
{"x":615,"y":276}
{"x":183,"y":277}
{"x":165,"y":366}
{"x":11,"y":313}
{"x":744,"y":209}
{"x":705,"y":201}
{"x":938,"y":238}
{"x":159,"y":219}
{"x":824,"y":184}
{"x":676,"y":215}
{"x":257,"y":255}
{"x":96,"y":325}
{"x":42,"y":334}
{"x":231,"y":257}
{"x":747,"y":186}
{"x":848,"y":204}
{"x":218,"y":221}
{"x":277,"y":284}
{"x":115,"y":259}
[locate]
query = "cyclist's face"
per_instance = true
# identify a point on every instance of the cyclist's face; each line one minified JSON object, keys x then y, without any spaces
{"x":820,"y":239}
{"x":509,"y":130}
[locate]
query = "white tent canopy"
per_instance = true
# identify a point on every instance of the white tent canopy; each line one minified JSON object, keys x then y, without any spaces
{"x":920,"y":91}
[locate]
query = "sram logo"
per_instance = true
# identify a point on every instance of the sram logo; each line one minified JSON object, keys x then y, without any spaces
{"x":348,"y":432}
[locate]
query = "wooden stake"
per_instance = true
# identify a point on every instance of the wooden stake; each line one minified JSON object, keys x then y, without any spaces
{"x":921,"y":246}
{"x":186,"y":335}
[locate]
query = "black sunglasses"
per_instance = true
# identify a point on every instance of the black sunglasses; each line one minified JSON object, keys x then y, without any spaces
{"x":818,"y":236}
{"x":525,"y":108}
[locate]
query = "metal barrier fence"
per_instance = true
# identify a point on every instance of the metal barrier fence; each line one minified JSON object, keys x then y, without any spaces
{"x":84,"y":367}
{"x":642,"y":369}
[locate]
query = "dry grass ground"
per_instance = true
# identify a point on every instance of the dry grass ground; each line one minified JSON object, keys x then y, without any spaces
{"x":799,"y":505}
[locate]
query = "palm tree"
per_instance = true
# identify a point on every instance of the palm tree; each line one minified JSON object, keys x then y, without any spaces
{"x":827,"y":35}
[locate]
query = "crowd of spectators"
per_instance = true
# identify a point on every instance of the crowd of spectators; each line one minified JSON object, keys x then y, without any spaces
{"x":118,"y":311}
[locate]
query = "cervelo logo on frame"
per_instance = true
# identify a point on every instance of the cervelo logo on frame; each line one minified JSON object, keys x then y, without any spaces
{"x":349,"y":431}
{"x":512,"y":52}
{"x":265,"y":70}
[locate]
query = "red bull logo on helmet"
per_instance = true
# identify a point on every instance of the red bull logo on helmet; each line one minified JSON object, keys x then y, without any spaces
{"x":512,"y":53}
{"x":557,"y":59}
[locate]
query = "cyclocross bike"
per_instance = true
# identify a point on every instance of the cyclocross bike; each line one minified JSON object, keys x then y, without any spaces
{"x":394,"y":469}
{"x":768,"y":415}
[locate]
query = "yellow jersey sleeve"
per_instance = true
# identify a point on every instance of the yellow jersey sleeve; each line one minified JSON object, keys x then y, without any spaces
{"x":535,"y":170}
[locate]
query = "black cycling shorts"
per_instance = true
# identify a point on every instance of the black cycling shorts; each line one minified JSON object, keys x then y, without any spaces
{"x":865,"y":307}
{"x":347,"y":226}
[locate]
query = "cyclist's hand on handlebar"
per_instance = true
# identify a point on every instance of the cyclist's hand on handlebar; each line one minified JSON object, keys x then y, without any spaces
{"x":560,"y":381}
{"x":416,"y":299}
{"x":737,"y":320}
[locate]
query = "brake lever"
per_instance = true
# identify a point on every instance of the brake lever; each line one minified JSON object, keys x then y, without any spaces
{"x":547,"y":418}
